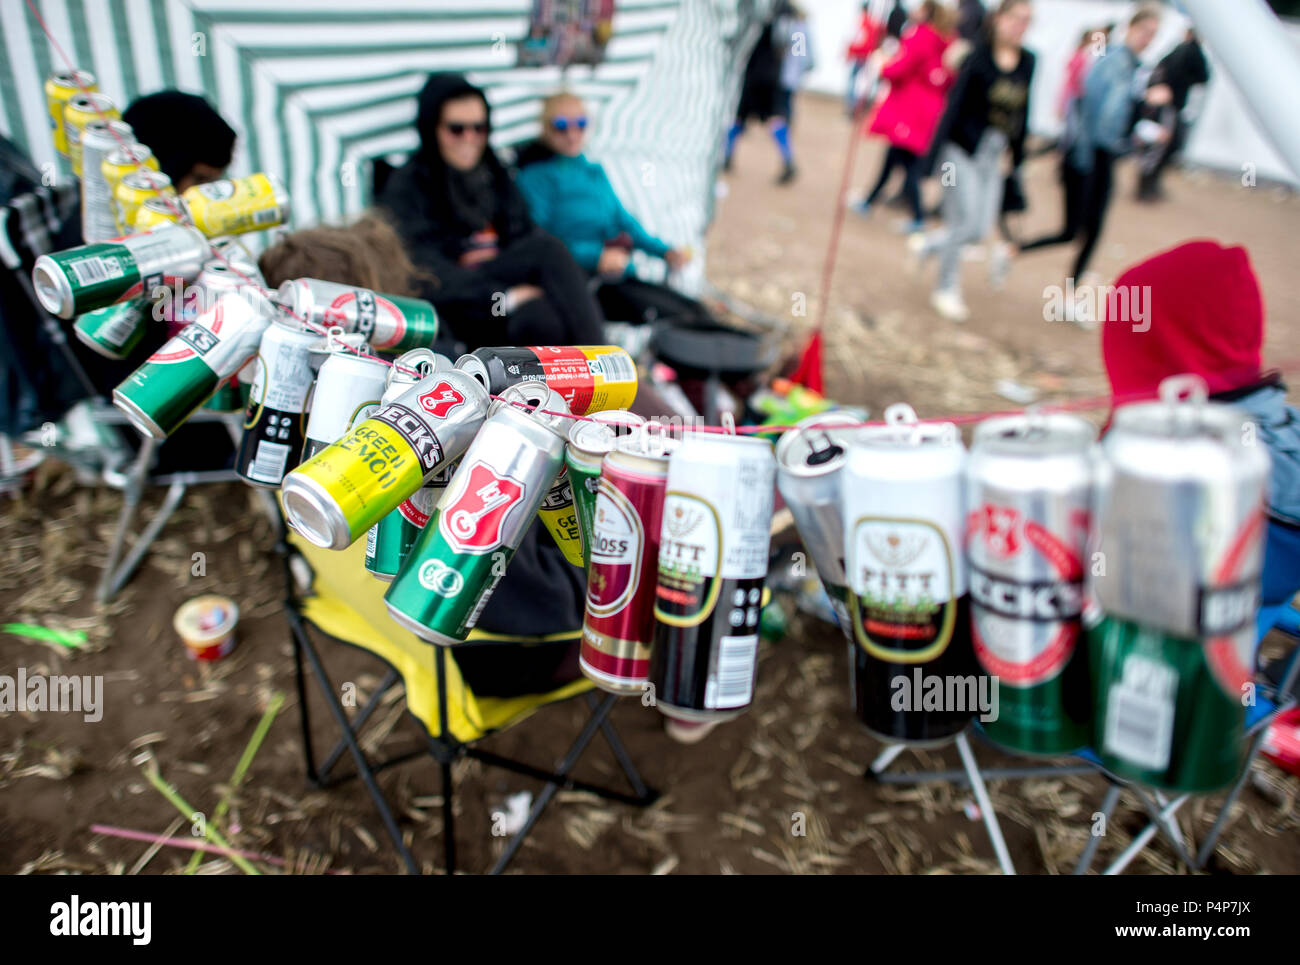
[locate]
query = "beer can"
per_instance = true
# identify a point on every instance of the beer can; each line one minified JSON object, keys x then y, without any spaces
{"x":914,"y":675}
{"x":348,"y":390}
{"x":135,"y":189}
{"x":810,"y":460}
{"x":98,"y":216}
{"x":1176,"y":578}
{"x":79,"y":280}
{"x":588,"y":443}
{"x":390,"y":323}
{"x":231,"y":396}
{"x":589,"y":378}
{"x":389,"y":541}
{"x":117,"y":164}
{"x":275,"y":422}
{"x":183,"y":374}
{"x":347,"y":487}
{"x":619,"y":621}
{"x":713,"y":553}
{"x":115,"y":331}
{"x":79,"y":112}
{"x":232,"y":207}
{"x":481,"y":518}
{"x":159,"y":210}
{"x":1029,"y":498}
{"x":231,"y":254}
{"x":216,"y":278}
{"x":60,"y":88}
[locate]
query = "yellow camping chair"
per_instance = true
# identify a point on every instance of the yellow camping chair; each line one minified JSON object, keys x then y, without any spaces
{"x":344,"y":603}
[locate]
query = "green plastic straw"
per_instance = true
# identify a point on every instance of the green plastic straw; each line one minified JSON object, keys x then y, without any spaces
{"x":209,"y":832}
{"x":67,"y":638}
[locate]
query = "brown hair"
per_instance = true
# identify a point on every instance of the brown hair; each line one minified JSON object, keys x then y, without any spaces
{"x":365,"y":254}
{"x":1148,"y":11}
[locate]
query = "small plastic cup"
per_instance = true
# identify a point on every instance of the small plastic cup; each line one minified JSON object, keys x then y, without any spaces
{"x":206,"y":625}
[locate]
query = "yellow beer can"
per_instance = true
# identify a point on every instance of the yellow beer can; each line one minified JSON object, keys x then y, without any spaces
{"x":158,"y":210}
{"x":79,"y":112}
{"x":59,"y":89}
{"x":232,"y":207}
{"x":135,"y":189}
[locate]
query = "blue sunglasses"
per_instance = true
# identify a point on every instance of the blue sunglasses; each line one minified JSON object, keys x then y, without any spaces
{"x":562,"y":124}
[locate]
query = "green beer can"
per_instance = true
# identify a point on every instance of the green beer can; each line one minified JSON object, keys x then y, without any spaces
{"x":1174,"y":589}
{"x":589,"y":441}
{"x":115,"y":331}
{"x":390,"y":540}
{"x":390,"y":323}
{"x":482,"y":517}
{"x":183,"y":374}
{"x":80,"y":280}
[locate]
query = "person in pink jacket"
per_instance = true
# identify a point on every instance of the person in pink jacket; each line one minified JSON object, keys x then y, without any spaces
{"x":919,"y":79}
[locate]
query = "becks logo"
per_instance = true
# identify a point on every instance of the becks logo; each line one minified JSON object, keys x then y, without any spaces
{"x":441,"y":399}
{"x":102,"y":918}
{"x":475,"y":521}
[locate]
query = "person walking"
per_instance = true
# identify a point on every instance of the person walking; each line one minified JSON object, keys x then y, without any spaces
{"x":1182,"y":69}
{"x":760,"y":98}
{"x":1100,"y":134}
{"x":864,"y":43}
{"x":918,"y":79}
{"x":986,"y":117}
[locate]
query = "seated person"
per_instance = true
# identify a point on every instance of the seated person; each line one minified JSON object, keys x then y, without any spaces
{"x":541,"y":593}
{"x":571,"y":197}
{"x":500,"y":279}
{"x":1207,"y":318}
{"x":192,"y":142}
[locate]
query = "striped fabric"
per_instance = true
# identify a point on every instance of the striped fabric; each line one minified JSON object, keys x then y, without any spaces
{"x":315,"y":89}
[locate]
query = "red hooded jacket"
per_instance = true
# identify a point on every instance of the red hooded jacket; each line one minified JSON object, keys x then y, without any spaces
{"x":918,"y":84}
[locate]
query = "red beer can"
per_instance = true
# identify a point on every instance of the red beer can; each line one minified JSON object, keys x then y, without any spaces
{"x":619,"y":624}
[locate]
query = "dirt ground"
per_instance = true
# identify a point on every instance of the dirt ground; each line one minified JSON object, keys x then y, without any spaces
{"x":729,"y":804}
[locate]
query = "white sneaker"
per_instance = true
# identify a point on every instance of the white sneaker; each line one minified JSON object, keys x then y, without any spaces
{"x":999,"y":265}
{"x":949,"y":305}
{"x":917,"y":252}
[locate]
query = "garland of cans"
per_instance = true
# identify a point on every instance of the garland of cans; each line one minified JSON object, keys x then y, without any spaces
{"x":1107,"y":590}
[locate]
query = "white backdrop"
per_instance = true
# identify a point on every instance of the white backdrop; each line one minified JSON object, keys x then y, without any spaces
{"x":1225,"y":137}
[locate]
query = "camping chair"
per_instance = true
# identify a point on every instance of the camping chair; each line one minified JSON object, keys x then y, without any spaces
{"x":29,"y":225}
{"x":330,"y":592}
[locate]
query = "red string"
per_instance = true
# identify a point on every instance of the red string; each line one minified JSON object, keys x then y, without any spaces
{"x":1077,"y":405}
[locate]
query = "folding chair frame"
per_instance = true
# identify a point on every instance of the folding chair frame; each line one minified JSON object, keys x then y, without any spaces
{"x":444,"y":748}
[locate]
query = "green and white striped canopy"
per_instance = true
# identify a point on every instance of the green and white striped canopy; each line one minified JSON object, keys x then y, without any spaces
{"x":317,"y":88}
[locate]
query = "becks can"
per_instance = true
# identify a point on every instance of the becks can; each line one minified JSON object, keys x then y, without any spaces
{"x":115,"y":331}
{"x":348,"y":390}
{"x":60,"y":88}
{"x":183,"y":374}
{"x":80,"y":280}
{"x":713,"y":552}
{"x":588,"y":443}
{"x":590,"y":378}
{"x":81,"y":111}
{"x":390,"y":323}
{"x":1029,"y":499}
{"x":914,"y":677}
{"x":159,"y":210}
{"x":98,"y":214}
{"x":481,"y":518}
{"x":338,"y":494}
{"x":275,"y":422}
{"x":1176,"y":577}
{"x":810,"y":461}
{"x":135,"y":189}
{"x":619,"y":622}
{"x":232,"y":207}
{"x":389,"y":541}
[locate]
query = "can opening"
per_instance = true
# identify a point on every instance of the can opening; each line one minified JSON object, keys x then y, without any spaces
{"x":819,"y":457}
{"x":47,"y":289}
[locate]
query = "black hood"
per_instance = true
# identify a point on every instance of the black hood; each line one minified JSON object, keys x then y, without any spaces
{"x":439,"y":89}
{"x":534,"y":152}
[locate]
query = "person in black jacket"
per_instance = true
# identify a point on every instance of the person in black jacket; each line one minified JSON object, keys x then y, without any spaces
{"x":500,"y":279}
{"x":1182,"y":68}
{"x":986,"y":115}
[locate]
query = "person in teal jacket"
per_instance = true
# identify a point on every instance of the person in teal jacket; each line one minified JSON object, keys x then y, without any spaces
{"x":571,"y":197}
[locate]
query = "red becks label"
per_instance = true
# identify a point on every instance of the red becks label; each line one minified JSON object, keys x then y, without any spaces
{"x":475,"y":521}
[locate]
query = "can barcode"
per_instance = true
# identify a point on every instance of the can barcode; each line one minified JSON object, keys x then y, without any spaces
{"x":267,"y":216}
{"x":616,"y":367}
{"x":91,"y":270}
{"x":733,"y":684}
{"x":1139,"y":727}
{"x":268,"y":464}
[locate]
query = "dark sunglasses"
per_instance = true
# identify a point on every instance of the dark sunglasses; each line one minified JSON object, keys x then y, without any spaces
{"x":561,"y":124}
{"x":456,"y":129}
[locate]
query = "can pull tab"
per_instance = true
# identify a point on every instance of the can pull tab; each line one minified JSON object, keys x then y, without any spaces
{"x":819,"y":456}
{"x":728,"y":423}
{"x":413,"y":366}
{"x":334,"y":339}
{"x":1185,"y":395}
{"x":900,"y":415}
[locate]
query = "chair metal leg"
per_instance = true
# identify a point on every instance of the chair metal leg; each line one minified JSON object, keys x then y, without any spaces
{"x":175,"y":493}
{"x":304,"y":714}
{"x":621,"y":755}
{"x":1167,"y":824}
{"x":448,"y":819}
{"x":985,"y":804}
{"x":884,"y":759}
{"x":358,"y":756}
{"x":1212,"y":839}
{"x":359,"y":721}
{"x":552,"y":787}
{"x":1143,"y":839}
{"x":130,"y":503}
{"x":1094,"y":840}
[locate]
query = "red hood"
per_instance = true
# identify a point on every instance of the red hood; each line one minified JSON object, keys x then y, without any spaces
{"x":1206,"y":315}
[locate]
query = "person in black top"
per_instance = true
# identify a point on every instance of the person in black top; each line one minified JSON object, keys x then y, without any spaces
{"x":897,"y":20}
{"x":986,"y":115}
{"x":1182,"y":68}
{"x":500,"y":280}
{"x":761,"y":98}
